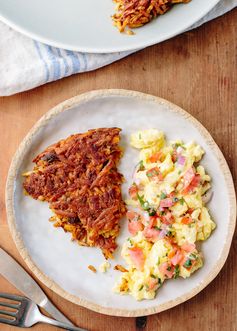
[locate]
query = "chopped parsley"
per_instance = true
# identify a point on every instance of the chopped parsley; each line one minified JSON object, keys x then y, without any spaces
{"x":140,"y":136}
{"x":141,"y":166}
{"x":176,"y":272}
{"x":152,"y":172}
{"x":163,"y":196}
{"x":141,"y":288}
{"x":145,"y":205}
{"x":159,"y":281}
{"x":153,"y":276}
{"x":157,"y":228}
{"x":152,"y":212}
{"x":175,"y":199}
{"x":181,"y":201}
{"x":188,"y":263}
{"x":193,"y":257}
{"x":176,"y":145}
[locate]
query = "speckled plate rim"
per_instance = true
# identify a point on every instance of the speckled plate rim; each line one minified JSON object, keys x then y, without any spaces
{"x":66,"y":106}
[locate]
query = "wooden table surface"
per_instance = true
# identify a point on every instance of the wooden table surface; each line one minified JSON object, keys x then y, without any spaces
{"x":197,"y":71}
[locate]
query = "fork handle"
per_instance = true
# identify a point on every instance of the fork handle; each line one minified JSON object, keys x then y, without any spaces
{"x":62,"y":325}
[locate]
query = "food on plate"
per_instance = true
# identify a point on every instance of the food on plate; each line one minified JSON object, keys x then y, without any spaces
{"x":78,"y":177}
{"x":119,"y":267}
{"x":135,"y":13}
{"x":168,"y":214}
{"x":104,"y":267}
{"x":92,"y":268}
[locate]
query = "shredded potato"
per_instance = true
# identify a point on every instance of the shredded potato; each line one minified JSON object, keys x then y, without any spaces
{"x":135,"y":13}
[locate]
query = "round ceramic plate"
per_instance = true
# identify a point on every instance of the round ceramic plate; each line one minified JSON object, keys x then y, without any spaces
{"x":62,"y":264}
{"x":86,"y":26}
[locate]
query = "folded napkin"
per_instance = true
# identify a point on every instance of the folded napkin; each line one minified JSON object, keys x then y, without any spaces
{"x":25,"y":63}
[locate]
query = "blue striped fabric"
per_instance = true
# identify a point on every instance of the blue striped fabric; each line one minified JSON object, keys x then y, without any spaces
{"x":25,"y":64}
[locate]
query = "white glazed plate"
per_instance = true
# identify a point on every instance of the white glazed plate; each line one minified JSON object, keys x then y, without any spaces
{"x":62,"y":264}
{"x":86,"y":26}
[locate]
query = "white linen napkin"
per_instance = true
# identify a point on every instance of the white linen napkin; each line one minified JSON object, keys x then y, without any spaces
{"x":25,"y":63}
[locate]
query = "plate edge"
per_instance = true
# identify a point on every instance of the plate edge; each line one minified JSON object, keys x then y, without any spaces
{"x":67,"y":105}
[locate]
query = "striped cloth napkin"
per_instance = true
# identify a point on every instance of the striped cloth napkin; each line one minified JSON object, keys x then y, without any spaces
{"x":25,"y":63}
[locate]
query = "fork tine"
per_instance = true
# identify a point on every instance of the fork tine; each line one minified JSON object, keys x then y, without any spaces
{"x":10,"y":296}
{"x":10,"y":305}
{"x":7,"y":321}
{"x":8,"y":313}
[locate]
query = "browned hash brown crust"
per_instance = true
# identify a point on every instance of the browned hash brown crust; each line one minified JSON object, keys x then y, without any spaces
{"x":78,"y":177}
{"x":135,"y":13}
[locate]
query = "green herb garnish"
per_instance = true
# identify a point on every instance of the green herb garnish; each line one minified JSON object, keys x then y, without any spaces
{"x":153,"y":276}
{"x":188,"y":263}
{"x":176,"y":272}
{"x":141,"y":288}
{"x":152,"y":212}
{"x":145,"y":205}
{"x":163,"y":196}
{"x":181,"y":201}
{"x":169,"y":268}
{"x":152,"y":172}
{"x":141,"y":166}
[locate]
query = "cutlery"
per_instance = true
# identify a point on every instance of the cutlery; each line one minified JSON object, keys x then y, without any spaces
{"x":24,"y":313}
{"x":16,"y":275}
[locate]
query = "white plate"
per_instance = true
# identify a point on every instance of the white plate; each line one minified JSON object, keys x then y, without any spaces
{"x":86,"y":26}
{"x":61,"y":264}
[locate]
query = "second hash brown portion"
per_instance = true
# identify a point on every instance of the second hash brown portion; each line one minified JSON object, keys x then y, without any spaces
{"x":78,"y":177}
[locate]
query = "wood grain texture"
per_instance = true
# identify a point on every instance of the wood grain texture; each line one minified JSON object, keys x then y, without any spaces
{"x":197,"y":71}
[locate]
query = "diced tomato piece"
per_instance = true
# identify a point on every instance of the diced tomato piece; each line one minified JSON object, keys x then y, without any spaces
{"x":165,"y":203}
{"x":188,"y":247}
{"x":134,"y":222}
{"x":152,"y":221}
{"x":131,"y":215}
{"x":134,"y":227}
{"x":167,"y":218}
{"x":177,"y":258}
{"x":186,"y":220}
{"x":152,"y":284}
{"x":154,"y":174}
{"x":133,"y":190}
{"x":172,"y":253}
{"x":137,"y":257}
{"x":191,"y":181}
{"x":151,"y":234}
{"x":166,"y":269}
{"x":188,"y":177}
{"x":194,"y":183}
{"x":171,"y":195}
{"x":156,"y":157}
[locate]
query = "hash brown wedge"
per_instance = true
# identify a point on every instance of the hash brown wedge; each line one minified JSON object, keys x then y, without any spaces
{"x":78,"y":177}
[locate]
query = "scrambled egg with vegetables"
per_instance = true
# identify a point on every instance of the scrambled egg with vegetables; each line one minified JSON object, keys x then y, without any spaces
{"x":169,"y":193}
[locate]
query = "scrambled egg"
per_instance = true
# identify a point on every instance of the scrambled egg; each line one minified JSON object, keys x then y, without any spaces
{"x":167,"y":191}
{"x":104,"y":267}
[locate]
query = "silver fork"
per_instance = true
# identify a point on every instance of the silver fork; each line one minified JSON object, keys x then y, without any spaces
{"x":24,"y":313}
